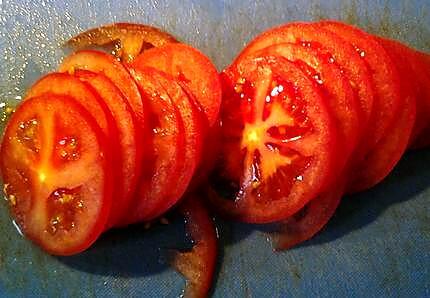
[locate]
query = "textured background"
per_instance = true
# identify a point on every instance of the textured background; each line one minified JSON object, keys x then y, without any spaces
{"x":378,"y":244}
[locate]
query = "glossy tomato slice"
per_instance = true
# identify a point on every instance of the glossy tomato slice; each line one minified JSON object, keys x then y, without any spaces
{"x":55,"y":163}
{"x":414,"y":75}
{"x":308,"y":221}
{"x":335,"y":87}
{"x":160,"y":166}
{"x":197,"y":265}
{"x":342,"y":53}
{"x":128,"y":39}
{"x":278,"y":139}
{"x":191,"y":67}
{"x":193,"y":138}
{"x":380,"y":161}
{"x":107,"y":65}
{"x":384,"y":77}
{"x":130,"y":143}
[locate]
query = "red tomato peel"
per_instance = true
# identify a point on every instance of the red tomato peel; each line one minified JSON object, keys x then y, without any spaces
{"x":197,"y":265}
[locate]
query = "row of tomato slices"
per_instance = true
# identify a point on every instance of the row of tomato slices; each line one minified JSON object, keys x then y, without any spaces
{"x":312,"y":111}
{"x":309,"y":112}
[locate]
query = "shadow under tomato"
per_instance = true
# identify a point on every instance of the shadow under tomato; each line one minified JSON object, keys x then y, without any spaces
{"x":409,"y":178}
{"x":133,"y":251}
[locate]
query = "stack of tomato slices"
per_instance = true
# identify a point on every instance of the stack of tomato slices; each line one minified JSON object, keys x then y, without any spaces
{"x":312,"y":111}
{"x":105,"y":143}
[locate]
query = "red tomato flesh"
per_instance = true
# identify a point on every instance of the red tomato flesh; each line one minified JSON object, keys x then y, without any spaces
{"x":161,"y":166}
{"x":335,"y":88}
{"x":191,"y":67}
{"x":342,"y":53}
{"x":130,"y":143}
{"x":55,"y":164}
{"x":278,"y":140}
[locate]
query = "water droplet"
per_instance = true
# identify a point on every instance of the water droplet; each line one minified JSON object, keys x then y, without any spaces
{"x":17,"y":228}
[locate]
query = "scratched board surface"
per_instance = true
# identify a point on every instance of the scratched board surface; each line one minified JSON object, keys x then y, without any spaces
{"x":378,"y":243}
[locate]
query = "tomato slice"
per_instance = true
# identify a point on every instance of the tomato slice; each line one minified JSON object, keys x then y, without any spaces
{"x":380,"y":161}
{"x":415,"y":76}
{"x":161,"y":166}
{"x":193,"y":136}
{"x":384,"y":77}
{"x":279,"y":142}
{"x":56,"y":168}
{"x":342,"y":53}
{"x":336,"y":88}
{"x":129,"y":39}
{"x":107,"y":65}
{"x":308,"y":221}
{"x":197,"y":265}
{"x":191,"y":67}
{"x":130,"y":143}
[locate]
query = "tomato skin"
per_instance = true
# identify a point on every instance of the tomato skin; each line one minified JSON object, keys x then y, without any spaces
{"x":309,"y":221}
{"x":192,"y":68}
{"x":131,"y":39}
{"x":130,"y":144}
{"x":384,"y":77}
{"x":256,"y":205}
{"x":197,"y":265}
{"x":40,"y":175}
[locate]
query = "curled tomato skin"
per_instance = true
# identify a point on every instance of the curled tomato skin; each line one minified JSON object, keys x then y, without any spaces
{"x":56,"y":164}
{"x":197,"y":265}
{"x":279,"y":142}
{"x":129,"y":39}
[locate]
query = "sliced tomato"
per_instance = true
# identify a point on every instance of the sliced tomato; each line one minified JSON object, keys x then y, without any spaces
{"x":342,"y":53}
{"x":162,"y":165}
{"x":308,"y":221}
{"x":191,"y":67}
{"x":197,"y":265}
{"x":414,"y":75}
{"x":193,"y":137}
{"x":381,"y":160}
{"x":56,"y":168}
{"x":384,"y":77}
{"x":107,"y":65}
{"x":130,"y":143}
{"x":128,"y":39}
{"x":279,"y":142}
{"x":336,"y":89}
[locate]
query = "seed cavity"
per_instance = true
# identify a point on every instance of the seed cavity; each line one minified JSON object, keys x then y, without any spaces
{"x":27,"y":134}
{"x":68,"y":148}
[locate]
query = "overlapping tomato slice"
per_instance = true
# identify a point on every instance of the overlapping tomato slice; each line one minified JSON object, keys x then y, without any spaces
{"x":278,"y":140}
{"x":55,"y":163}
{"x":193,"y":69}
{"x":129,"y":141}
{"x":336,"y":89}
